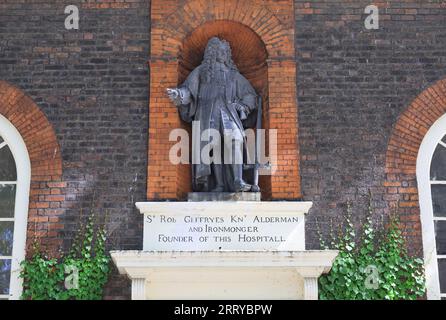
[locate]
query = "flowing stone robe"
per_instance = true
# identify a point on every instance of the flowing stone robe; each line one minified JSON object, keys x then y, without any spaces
{"x":212,"y":104}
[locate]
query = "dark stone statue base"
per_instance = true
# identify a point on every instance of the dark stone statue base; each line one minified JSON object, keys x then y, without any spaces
{"x":223,"y":196}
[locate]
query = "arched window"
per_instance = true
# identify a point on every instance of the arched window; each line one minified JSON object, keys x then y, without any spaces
{"x":431,"y":177}
{"x":15,"y":173}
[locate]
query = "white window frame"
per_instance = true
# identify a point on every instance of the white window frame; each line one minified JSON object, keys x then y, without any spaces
{"x":14,"y":140}
{"x":427,"y":149}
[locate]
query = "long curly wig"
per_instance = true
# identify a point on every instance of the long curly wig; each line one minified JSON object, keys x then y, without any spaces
{"x":210,"y":58}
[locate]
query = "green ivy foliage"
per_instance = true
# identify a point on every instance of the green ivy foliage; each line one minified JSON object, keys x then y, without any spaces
{"x":374,"y":267}
{"x":45,"y":278}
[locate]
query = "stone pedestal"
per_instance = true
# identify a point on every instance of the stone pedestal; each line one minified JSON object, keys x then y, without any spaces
{"x":223,"y":196}
{"x":224,"y":250}
{"x":258,"y":275}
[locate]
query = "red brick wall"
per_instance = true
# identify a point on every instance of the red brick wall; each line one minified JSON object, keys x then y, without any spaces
{"x":92,"y":85}
{"x":47,"y":188}
{"x":401,"y":158}
{"x":180,"y":30}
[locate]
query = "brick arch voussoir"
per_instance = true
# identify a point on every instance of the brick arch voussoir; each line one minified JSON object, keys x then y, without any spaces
{"x":46,"y":192}
{"x":401,"y":157}
{"x":194,"y":13}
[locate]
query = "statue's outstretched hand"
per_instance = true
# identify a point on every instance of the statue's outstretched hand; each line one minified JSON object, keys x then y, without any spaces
{"x":173,"y":94}
{"x":179,"y":96}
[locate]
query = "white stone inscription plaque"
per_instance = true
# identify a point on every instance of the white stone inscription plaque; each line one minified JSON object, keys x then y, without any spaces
{"x":206,"y":226}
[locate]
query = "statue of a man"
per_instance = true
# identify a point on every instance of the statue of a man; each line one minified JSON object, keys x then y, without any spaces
{"x":216,"y":96}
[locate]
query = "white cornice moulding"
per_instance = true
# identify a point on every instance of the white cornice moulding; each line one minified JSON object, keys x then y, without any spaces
{"x":312,"y":263}
{"x":269,"y":208}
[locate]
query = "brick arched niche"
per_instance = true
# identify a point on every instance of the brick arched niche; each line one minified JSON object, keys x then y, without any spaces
{"x":401,"y":158}
{"x":248,"y":51}
{"x":261,"y":34}
{"x":46,"y":193}
{"x":250,"y":56}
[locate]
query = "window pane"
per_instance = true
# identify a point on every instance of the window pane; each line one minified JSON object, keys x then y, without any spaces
{"x":6,"y":237}
{"x":439,"y":200}
{"x":5,"y":275}
{"x":440,"y":236}
{"x":7,"y":165}
{"x":7,"y":200}
{"x":438,"y":166}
